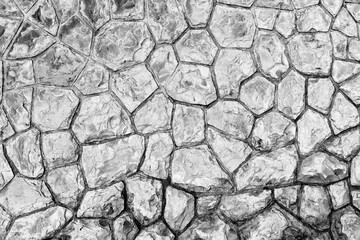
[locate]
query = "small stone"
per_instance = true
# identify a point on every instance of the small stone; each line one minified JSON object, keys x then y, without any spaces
{"x":9,"y":28}
{"x":354,"y":46}
{"x":354,"y":10}
{"x":272,"y":131}
{"x":197,"y":11}
{"x":10,"y":9}
{"x":89,"y":229}
{"x":67,"y":183}
{"x":265,"y":17}
{"x":188,"y":124}
{"x":230,"y":117}
{"x":43,"y":13}
{"x":59,"y":66}
{"x":179,"y":208}
{"x":231,"y":152}
{"x":320,"y":92}
{"x":125,"y":227}
{"x":242,"y":206}
{"x":288,"y":197}
{"x":133,"y":85}
{"x":6,"y":173}
{"x":154,"y":115}
{"x":345,"y":23}
{"x":298,"y":4}
{"x":355,"y":173}
{"x":233,"y":27}
{"x":107,"y":202}
{"x":345,"y":223}
{"x":339,"y":194}
{"x":285,"y":23}
{"x":65,"y":8}
{"x":333,"y":6}
{"x":197,"y":170}
{"x":277,"y":4}
{"x":5,"y":219}
{"x":127,"y":10}
{"x":53,"y":108}
{"x":345,"y":144}
{"x":340,"y":43}
{"x":312,"y":19}
{"x":157,"y":156}
{"x":100,"y":117}
{"x":355,"y":195}
{"x":343,"y":70}
{"x":207,"y":204}
{"x":157,"y":231}
{"x":107,"y":162}
{"x":93,"y":79}
{"x":231,"y":68}
{"x":18,"y":74}
{"x":268,"y":169}
{"x":95,"y":12}
{"x":313,"y":128}
{"x":6,"y":130}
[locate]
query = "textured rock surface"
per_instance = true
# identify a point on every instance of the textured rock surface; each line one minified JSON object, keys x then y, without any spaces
{"x":93,"y":79}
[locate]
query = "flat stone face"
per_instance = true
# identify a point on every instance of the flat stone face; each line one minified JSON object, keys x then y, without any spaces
{"x":320,"y":92}
{"x":93,"y":79}
{"x":9,"y":27}
{"x":6,"y":173}
{"x":354,"y":52}
{"x":18,"y":74}
{"x":339,"y":194}
{"x":343,"y":70}
{"x":313,"y":18}
{"x":345,"y":144}
{"x":333,"y":6}
{"x":163,"y":63}
{"x":345,"y":23}
{"x":285,"y":23}
{"x":340,"y":43}
{"x":197,"y":11}
{"x":265,"y":17}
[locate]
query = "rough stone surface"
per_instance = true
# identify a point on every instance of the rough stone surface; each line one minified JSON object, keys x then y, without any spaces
{"x":265,"y":17}
{"x":340,"y":42}
{"x":207,"y":204}
{"x":320,"y":102}
{"x":93,"y":79}
{"x":128,"y":10}
{"x":343,"y":70}
{"x":18,"y":73}
{"x":339,"y":194}
{"x":345,"y":23}
{"x":91,"y":229}
{"x":312,"y":18}
{"x":285,"y":23}
{"x":345,"y":223}
{"x":345,"y":144}
{"x":288,"y":197}
{"x":95,"y":12}
{"x":6,"y":174}
{"x":157,"y":231}
{"x":197,"y":11}
{"x":125,"y":227}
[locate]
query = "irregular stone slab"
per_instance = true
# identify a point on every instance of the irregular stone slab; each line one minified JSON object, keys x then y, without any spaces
{"x":313,"y":128}
{"x":230,"y":117}
{"x":89,"y":229}
{"x":354,"y":171}
{"x":5,"y":219}
{"x":95,"y":12}
{"x":188,"y":124}
{"x":233,"y":27}
{"x":320,"y":92}
{"x":258,"y":94}
{"x":268,"y":169}
{"x":345,"y":23}
{"x":100,"y":117}
{"x":121,"y":44}
{"x":18,"y":74}
{"x":67,"y":184}
{"x":340,"y":43}
{"x":345,"y":223}
{"x":157,"y":231}
{"x":10,"y":9}
{"x":93,"y":79}
{"x":179,"y":208}
{"x":345,"y":144}
{"x":111,"y":161}
{"x":285,"y":23}
{"x":6,"y":130}
{"x":59,"y":148}
{"x":53,"y":108}
{"x":66,"y":8}
{"x":197,"y":170}
{"x":144,"y":198}
{"x":75,"y":33}
{"x":288,"y":197}
{"x":107,"y":202}
{"x":43,"y":13}
{"x":312,"y":18}
{"x":24,"y":151}
{"x":354,"y":10}
{"x":133,"y":85}
{"x":298,"y":4}
{"x":58,"y":66}
{"x":321,"y":168}
{"x":23,"y":195}
{"x":231,"y":152}
{"x":192,"y":84}
{"x":231,"y":68}
{"x":278,"y":4}
{"x":154,"y":115}
{"x":264,"y":17}
{"x":6,"y":173}
{"x":157,"y":156}
{"x":339,"y":194}
{"x":272,"y":131}
{"x":125,"y":227}
{"x":207,"y":204}
{"x":242,"y":206}
{"x":343,"y":70}
{"x":355,"y":195}
{"x":196,"y":46}
{"x":8,"y":27}
{"x":311,"y":53}
{"x":129,"y":10}
{"x":354,"y":52}
{"x":197,"y":11}
{"x":39,"y":225}
{"x":333,"y":6}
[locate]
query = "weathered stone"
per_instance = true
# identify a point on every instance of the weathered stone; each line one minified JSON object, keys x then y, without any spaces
{"x":354,"y":46}
{"x":339,"y":194}
{"x":100,"y":117}
{"x":127,"y":10}
{"x":67,"y":183}
{"x":10,"y":9}
{"x":107,"y":202}
{"x":89,"y":229}
{"x":355,"y":196}
{"x":340,"y":43}
{"x":231,"y":152}
{"x":121,"y":44}
{"x":313,"y":128}
{"x":230,"y":117}
{"x":25,"y":5}
{"x":133,"y":85}
{"x":298,"y":4}
{"x":311,"y":53}
{"x":59,"y":66}
{"x":345,"y":224}
{"x":207,"y":204}
{"x":320,"y":92}
{"x":231,"y":68}
{"x":24,"y":151}
{"x":179,"y":208}
{"x":154,"y":115}
{"x":265,"y":17}
{"x":6,"y":130}
{"x":43,"y":13}
{"x":65,"y":8}
{"x":285,"y":23}
{"x":233,"y":27}
{"x":288,"y":197}
{"x":354,"y":10}
{"x":354,"y":171}
{"x":6,"y":173}
{"x":157,"y":231}
{"x":125,"y":227}
{"x":53,"y":108}
{"x":345,"y":23}
{"x":343,"y":70}
{"x":93,"y":79}
{"x":111,"y":161}
{"x":312,"y":19}
{"x":9,"y":28}
{"x":277,"y":4}
{"x":272,"y":131}
{"x":5,"y":219}
{"x":197,"y":11}
{"x":95,"y":12}
{"x":197,"y":170}
{"x":18,"y":74}
{"x":345,"y":144}
{"x":333,"y":6}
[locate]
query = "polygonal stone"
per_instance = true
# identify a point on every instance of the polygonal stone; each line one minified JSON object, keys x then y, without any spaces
{"x":65,"y":8}
{"x":100,"y":117}
{"x":6,"y":173}
{"x":231,"y":68}
{"x":333,"y":6}
{"x":75,"y":33}
{"x":10,"y":9}
{"x":343,"y":114}
{"x":355,"y":195}
{"x":272,"y":131}
{"x":95,"y":12}
{"x":345,"y":144}
{"x":111,"y":161}
{"x":157,"y":231}
{"x":133,"y":85}
{"x":144,"y":198}
{"x":354,"y":46}
{"x":67,"y":183}
{"x":268,"y":169}
{"x":288,"y":197}
{"x":313,"y":128}
{"x":24,"y":151}
{"x":125,"y":227}
{"x":311,"y":53}
{"x":90,"y":229}
{"x":312,"y":19}
{"x":196,"y":46}
{"x":339,"y":194}
{"x":345,"y":223}
{"x":127,"y":10}
{"x":154,"y":115}
{"x":59,"y":66}
{"x":8,"y":29}
{"x":53,"y":108}
{"x":192,"y":84}
{"x":230,"y":117}
{"x":345,"y":23}
{"x":43,"y":13}
{"x":107,"y":202}
{"x":340,"y":43}
{"x":265,"y":17}
{"x":188,"y":124}
{"x":18,"y":74}
{"x":354,"y":10}
{"x":258,"y":94}
{"x":5,"y":219}
{"x":197,"y":11}
{"x":354,"y":171}
{"x":231,"y":152}
{"x":270,"y":54}
{"x":6,"y":130}
{"x":121,"y":44}
{"x":320,"y":92}
{"x":285,"y":23}
{"x":196,"y":169}
{"x":343,"y":70}
{"x":207,"y":204}
{"x":25,"y":5}
{"x":233,"y":27}
{"x":93,"y":79}
{"x":278,"y":4}
{"x":157,"y":156}
{"x":166,"y":20}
